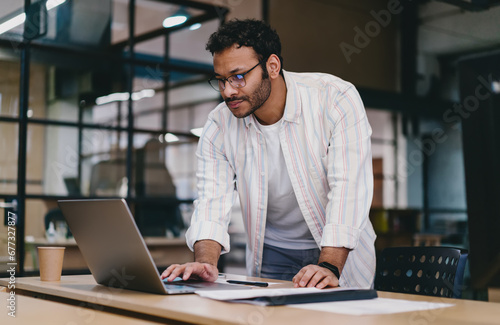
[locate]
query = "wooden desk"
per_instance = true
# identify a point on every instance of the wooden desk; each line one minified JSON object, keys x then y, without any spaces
{"x":165,"y":251}
{"x":82,"y":289}
{"x":38,"y":311}
{"x":494,"y":294}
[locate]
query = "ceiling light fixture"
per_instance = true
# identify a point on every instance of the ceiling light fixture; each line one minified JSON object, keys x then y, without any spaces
{"x":495,"y":86}
{"x":169,"y":137}
{"x":196,"y":131}
{"x":174,"y":21}
{"x":121,"y":97}
{"x":195,"y":26}
{"x":179,"y":18}
{"x":51,"y":4}
{"x":12,"y":23}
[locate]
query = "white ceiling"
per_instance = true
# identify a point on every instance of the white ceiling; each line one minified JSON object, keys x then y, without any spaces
{"x":8,"y":6}
{"x":445,"y":28}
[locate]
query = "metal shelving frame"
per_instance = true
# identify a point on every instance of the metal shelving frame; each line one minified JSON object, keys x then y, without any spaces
{"x":115,"y":52}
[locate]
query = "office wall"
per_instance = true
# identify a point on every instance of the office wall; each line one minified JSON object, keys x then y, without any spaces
{"x":327,"y":36}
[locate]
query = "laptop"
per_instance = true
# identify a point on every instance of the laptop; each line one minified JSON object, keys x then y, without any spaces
{"x":115,"y":251}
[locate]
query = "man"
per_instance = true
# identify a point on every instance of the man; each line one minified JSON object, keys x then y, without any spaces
{"x":295,"y":149}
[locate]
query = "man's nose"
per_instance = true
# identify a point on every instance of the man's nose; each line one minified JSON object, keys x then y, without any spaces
{"x":229,"y":91}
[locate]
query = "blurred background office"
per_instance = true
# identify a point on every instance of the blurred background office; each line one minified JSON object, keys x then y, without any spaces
{"x":107,"y":98}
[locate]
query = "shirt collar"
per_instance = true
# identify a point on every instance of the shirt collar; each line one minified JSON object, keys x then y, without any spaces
{"x":293,"y":107}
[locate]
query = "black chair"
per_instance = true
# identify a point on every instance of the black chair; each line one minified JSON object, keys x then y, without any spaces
{"x":430,"y":271}
{"x":54,"y":216}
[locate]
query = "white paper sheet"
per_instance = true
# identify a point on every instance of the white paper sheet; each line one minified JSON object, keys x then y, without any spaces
{"x":372,"y":306}
{"x":248,"y":294}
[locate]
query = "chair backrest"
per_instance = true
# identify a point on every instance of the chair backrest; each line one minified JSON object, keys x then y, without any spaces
{"x":55,"y":215}
{"x":431,"y":271}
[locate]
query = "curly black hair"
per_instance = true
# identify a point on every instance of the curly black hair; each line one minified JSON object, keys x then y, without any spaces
{"x":249,"y":32}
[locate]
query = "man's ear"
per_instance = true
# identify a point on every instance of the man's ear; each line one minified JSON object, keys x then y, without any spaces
{"x":273,"y":66}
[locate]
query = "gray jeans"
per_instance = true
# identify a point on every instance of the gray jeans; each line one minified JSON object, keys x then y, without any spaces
{"x":282,"y":264}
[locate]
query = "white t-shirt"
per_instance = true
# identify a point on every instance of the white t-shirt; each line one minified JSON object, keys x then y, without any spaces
{"x":285,"y":224}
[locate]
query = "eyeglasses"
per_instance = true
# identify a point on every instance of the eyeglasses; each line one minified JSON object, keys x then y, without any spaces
{"x":236,"y":80}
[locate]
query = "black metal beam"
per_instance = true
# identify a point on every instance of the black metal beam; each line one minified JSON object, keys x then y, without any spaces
{"x":80,"y":141}
{"x":191,"y":4}
{"x":166,"y":85}
{"x":477,"y":52}
{"x":66,"y":197}
{"x":265,"y":10}
{"x":115,"y":57}
{"x":481,"y":150}
{"x":24,"y":88}
{"x":404,"y":103}
{"x":130,"y":85}
{"x":409,"y":47}
{"x":9,"y":119}
{"x":425,"y":189}
{"x":395,"y":147}
{"x":95,"y":126}
{"x":169,"y":66}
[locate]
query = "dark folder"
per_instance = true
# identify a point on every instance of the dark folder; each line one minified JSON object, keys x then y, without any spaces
{"x":341,"y":295}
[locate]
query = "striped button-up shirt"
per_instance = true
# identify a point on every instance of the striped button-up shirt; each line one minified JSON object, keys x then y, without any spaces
{"x":325,"y":138}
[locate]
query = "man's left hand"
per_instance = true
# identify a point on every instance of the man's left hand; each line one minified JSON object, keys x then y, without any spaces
{"x":315,"y":276}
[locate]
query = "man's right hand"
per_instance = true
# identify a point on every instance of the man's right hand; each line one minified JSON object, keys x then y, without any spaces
{"x":206,"y":253}
{"x":194,"y":270}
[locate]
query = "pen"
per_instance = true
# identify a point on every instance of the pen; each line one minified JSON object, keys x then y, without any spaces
{"x":251,"y":283}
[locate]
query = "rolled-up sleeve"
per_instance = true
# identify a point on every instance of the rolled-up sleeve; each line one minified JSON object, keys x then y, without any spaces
{"x":216,"y":190}
{"x":350,"y":175}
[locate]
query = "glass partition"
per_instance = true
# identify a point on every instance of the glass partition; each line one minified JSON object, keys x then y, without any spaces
{"x":79,"y":141}
{"x":9,"y":85}
{"x":8,"y":158}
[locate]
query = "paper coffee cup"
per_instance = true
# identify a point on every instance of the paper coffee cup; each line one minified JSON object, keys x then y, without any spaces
{"x":50,"y":260}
